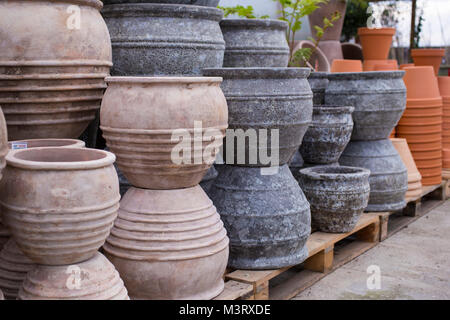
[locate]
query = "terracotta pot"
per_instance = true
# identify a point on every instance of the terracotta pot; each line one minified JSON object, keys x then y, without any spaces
{"x":421,"y":83}
{"x":14,"y":266}
{"x":38,"y":143}
{"x":140,"y":115}
{"x":59,"y":203}
{"x":352,"y":51}
{"x":428,"y":57}
{"x":318,"y":60}
{"x":172,"y":238}
{"x":341,"y":65}
{"x":98,"y":280}
{"x":52,"y":90}
{"x":392,"y":134}
{"x":446,"y":158}
{"x":384,"y":67}
{"x":332,"y":50}
{"x":370,"y":65}
{"x":376,"y":42}
{"x":406,"y":65}
{"x":444,"y":86}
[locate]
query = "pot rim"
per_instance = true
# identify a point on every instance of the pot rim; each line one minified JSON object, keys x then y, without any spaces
{"x":258,"y":73}
{"x":329,"y":108}
{"x":314,"y":173}
{"x":318,"y":75}
{"x":365,"y":31}
{"x":106,"y":159}
{"x":268,"y":23}
{"x":397,"y":74}
{"x":169,"y":80}
{"x":424,"y":52}
{"x":70,"y":142}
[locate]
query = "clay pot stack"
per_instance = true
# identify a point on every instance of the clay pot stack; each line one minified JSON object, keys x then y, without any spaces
{"x":376,"y":43}
{"x":444,"y":88}
{"x":421,"y":124}
{"x":428,"y":57}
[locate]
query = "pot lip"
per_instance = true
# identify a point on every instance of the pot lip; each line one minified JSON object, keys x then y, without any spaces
{"x":165,"y":80}
{"x":328,"y":108}
{"x":13,"y":159}
{"x":376,"y":31}
{"x":70,"y":142}
{"x":236,"y":22}
{"x":318,"y":75}
{"x":258,"y":73}
{"x":355,"y":173}
{"x":397,"y":74}
{"x":421,"y":52}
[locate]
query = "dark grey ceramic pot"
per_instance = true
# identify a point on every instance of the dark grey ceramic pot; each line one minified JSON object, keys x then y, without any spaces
{"x":389,"y":176}
{"x":208,"y":180}
{"x":295,"y":164}
{"x":337,"y":196}
{"x":206,"y":3}
{"x":267,"y":217}
{"x":162,"y":39}
{"x":318,"y":82}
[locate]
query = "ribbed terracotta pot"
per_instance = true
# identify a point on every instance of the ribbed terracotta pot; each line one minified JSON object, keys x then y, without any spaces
{"x":59,"y":203}
{"x":169,"y":244}
{"x":92,"y":279}
{"x":376,"y":42}
{"x":251,"y":43}
{"x":145,"y":119}
{"x":371,"y":65}
{"x":52,"y":70}
{"x":318,"y":81}
{"x":446,"y":158}
{"x":406,"y":65}
{"x":444,"y":89}
{"x":342,"y":65}
{"x":428,"y":57}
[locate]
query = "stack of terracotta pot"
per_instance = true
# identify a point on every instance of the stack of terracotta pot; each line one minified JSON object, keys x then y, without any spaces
{"x":376,"y":43}
{"x":421,"y":123}
{"x":444,"y":88}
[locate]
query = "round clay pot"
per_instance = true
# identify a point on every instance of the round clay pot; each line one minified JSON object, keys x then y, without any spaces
{"x":428,"y":57}
{"x":296,"y":164}
{"x":421,"y":83}
{"x":352,"y":51}
{"x":14,"y":266}
{"x":318,"y":60}
{"x":208,"y":180}
{"x":252,"y":43}
{"x":444,"y":86}
{"x":376,"y":42}
{"x":3,"y":143}
{"x":328,"y":134}
{"x":141,"y":118}
{"x":318,"y":81}
{"x":384,"y":67}
{"x":206,"y":3}
{"x":169,"y":244}
{"x":59,"y":203}
{"x":337,"y":195}
{"x":164,"y":39}
{"x":341,"y":65}
{"x":379,"y":99}
{"x":38,"y":143}
{"x":370,"y":65}
{"x":388,"y":175}
{"x":93,"y":279}
{"x":267,"y":217}
{"x":265,"y":99}
{"x":52,"y":90}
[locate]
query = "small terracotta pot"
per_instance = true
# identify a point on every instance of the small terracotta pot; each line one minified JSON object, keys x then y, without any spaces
{"x":444,"y":86}
{"x":384,"y":67}
{"x":370,"y":65}
{"x":392,"y":134}
{"x":38,"y":143}
{"x":376,"y":42}
{"x":428,"y":57}
{"x":342,"y":65}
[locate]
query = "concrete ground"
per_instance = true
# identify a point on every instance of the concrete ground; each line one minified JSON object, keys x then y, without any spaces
{"x":413,"y":264}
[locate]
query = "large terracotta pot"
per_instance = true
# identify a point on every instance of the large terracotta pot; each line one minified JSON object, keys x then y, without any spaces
{"x":428,"y":57}
{"x":153,"y":39}
{"x":59,"y":203}
{"x":51,"y":73}
{"x":342,"y":65}
{"x":265,"y":99}
{"x":253,"y":43}
{"x":140,"y":115}
{"x":379,"y":99}
{"x":169,"y":244}
{"x":93,"y":279}
{"x":376,"y":42}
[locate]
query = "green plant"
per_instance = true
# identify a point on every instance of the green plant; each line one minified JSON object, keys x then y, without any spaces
{"x":418,"y":31}
{"x":355,"y":16}
{"x":241,"y":11}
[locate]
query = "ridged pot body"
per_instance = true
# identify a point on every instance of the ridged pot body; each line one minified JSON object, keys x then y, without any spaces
{"x":206,"y":3}
{"x":267,"y":217}
{"x":379,"y":99}
{"x":139,"y":117}
{"x":260,"y":101}
{"x":93,"y":279}
{"x":59,"y":214}
{"x":169,"y":244}
{"x":251,"y":43}
{"x":318,"y":81}
{"x":4,"y":149}
{"x":337,"y":195}
{"x":388,"y":175}
{"x":328,"y":134}
{"x":52,"y":70}
{"x":14,"y":266}
{"x":164,"y":39}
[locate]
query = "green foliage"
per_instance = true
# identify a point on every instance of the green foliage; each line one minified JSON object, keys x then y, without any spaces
{"x":417,"y":32}
{"x":241,"y":11}
{"x":356,"y":16}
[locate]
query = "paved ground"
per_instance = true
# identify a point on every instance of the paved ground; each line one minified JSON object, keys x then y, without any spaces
{"x":413,"y":264}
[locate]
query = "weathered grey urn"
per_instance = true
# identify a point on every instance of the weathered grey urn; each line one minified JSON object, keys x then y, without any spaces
{"x":253,"y":43}
{"x":318,"y":82}
{"x":337,"y":196}
{"x":267,"y":217}
{"x":296,"y":164}
{"x":164,"y":39}
{"x":264,"y":100}
{"x":328,"y":134}
{"x":389,"y":176}
{"x":206,"y":3}
{"x":379,"y":99}
{"x":208,"y":180}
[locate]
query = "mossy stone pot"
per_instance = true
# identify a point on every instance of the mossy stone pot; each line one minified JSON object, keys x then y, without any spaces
{"x":267,"y":217}
{"x":206,"y":3}
{"x":151,"y":39}
{"x":318,"y":81}
{"x":59,"y":203}
{"x":251,"y":43}
{"x":388,"y":175}
{"x":263,"y":102}
{"x":337,"y":196}
{"x":327,"y":135}
{"x":379,"y":99}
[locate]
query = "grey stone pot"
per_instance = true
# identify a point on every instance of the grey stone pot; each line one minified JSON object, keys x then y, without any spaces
{"x":327,"y":135}
{"x":163,"y":39}
{"x":253,"y":43}
{"x":266,"y":98}
{"x":206,"y":3}
{"x":267,"y":217}
{"x":389,"y":176}
{"x":337,"y":196}
{"x":296,"y":164}
{"x":208,"y":180}
{"x":318,"y":82}
{"x":379,"y":99}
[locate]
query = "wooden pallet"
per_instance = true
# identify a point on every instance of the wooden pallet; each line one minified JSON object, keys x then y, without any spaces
{"x":326,"y":252}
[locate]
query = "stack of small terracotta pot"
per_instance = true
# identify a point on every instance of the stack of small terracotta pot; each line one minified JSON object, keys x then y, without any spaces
{"x":444,"y":88}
